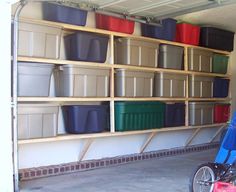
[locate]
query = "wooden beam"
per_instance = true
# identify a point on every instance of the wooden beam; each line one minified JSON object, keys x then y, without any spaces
{"x":149,"y":139}
{"x":192,"y":137}
{"x":217,"y":132}
{"x":85,"y":149}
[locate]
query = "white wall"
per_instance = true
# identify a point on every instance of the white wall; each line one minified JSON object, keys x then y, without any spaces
{"x":34,"y":155}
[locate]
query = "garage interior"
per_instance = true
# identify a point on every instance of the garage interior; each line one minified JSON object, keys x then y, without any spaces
{"x":154,"y":156}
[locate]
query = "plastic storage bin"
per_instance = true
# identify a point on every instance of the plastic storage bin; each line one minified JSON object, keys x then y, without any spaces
{"x":171,"y":57}
{"x":199,"y":60}
{"x":169,"y":85}
{"x":138,"y":115}
{"x":76,"y":81}
{"x":215,"y":38}
{"x":85,"y":118}
{"x":200,"y":86}
{"x":223,"y":187}
{"x":187,"y":33}
{"x":85,"y":46}
{"x":39,"y":40}
{"x":174,"y":114}
{"x":135,"y":52}
{"x":220,"y":63}
{"x":201,"y":113}
{"x":166,"y":31}
{"x":64,"y":14}
{"x":221,"y":87}
{"x":221,"y":112}
{"x":133,"y":83}
{"x":37,"y":120}
{"x":34,"y":79}
{"x":114,"y":24}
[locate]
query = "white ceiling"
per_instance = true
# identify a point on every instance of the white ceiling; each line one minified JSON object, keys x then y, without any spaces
{"x":223,"y":17}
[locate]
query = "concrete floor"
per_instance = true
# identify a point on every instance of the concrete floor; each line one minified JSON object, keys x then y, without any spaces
{"x":169,"y":174}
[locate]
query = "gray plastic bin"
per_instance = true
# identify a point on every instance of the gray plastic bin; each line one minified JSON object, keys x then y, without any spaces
{"x":169,"y":85}
{"x":136,"y":52}
{"x":200,"y":86}
{"x":39,"y":40}
{"x":34,"y":79}
{"x":171,"y":57}
{"x":199,"y":60}
{"x":77,"y":81}
{"x":37,"y":120}
{"x":133,"y":83}
{"x":201,"y":113}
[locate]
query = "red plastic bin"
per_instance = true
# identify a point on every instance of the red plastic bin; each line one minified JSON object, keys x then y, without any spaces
{"x":221,"y":113}
{"x":187,"y":33}
{"x":224,"y":187}
{"x":114,"y":24}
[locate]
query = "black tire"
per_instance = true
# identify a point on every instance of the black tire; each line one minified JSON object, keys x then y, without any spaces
{"x":202,"y":179}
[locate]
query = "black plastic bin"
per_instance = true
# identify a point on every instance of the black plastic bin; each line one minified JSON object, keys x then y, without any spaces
{"x":221,"y":87}
{"x":174,"y":114}
{"x":64,"y":14}
{"x":84,"y":46}
{"x":85,"y":118}
{"x":215,"y":38}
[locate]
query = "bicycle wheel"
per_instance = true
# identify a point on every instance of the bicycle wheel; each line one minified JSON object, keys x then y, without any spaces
{"x":203,"y":178}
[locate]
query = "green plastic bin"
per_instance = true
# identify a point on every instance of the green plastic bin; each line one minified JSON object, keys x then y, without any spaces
{"x":131,"y":116}
{"x":220,"y":63}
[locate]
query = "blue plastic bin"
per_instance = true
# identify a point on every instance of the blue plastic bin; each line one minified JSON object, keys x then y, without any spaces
{"x":175,"y":115}
{"x":85,"y":118}
{"x":85,"y":46}
{"x":220,"y":87}
{"x":166,"y":31}
{"x":64,"y":14}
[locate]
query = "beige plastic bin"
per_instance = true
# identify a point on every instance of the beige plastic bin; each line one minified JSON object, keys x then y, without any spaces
{"x":136,"y":52}
{"x":200,"y":60}
{"x":169,"y":85}
{"x":77,"y":81}
{"x":39,"y":40}
{"x":37,"y":120}
{"x":133,"y":83}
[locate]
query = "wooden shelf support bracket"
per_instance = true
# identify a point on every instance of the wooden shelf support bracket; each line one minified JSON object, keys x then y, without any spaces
{"x":149,"y":139}
{"x":217,"y":132}
{"x":190,"y":139}
{"x":85,"y":149}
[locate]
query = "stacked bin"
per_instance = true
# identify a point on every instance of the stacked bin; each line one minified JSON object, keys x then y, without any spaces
{"x":114,"y":24}
{"x":39,"y":40}
{"x":221,"y":87}
{"x":64,"y":14}
{"x":171,"y":57}
{"x":200,"y":60}
{"x":76,"y":81}
{"x":187,"y":33}
{"x":34,"y":79}
{"x":169,"y":85}
{"x":201,"y":113}
{"x":216,"y":38}
{"x":166,"y":31}
{"x":85,"y":46}
{"x":133,"y":83}
{"x":200,"y":86}
{"x":85,"y":118}
{"x":221,"y":112}
{"x":138,"y":115}
{"x":220,"y":63}
{"x":37,"y":120}
{"x":174,"y":114}
{"x":135,"y":52}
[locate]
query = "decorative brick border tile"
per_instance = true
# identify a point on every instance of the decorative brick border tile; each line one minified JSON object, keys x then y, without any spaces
{"x":45,"y":171}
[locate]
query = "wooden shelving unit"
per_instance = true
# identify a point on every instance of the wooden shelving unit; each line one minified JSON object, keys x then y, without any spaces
{"x":112,"y":66}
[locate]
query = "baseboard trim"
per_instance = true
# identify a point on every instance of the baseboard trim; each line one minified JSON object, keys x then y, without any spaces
{"x":53,"y":170}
